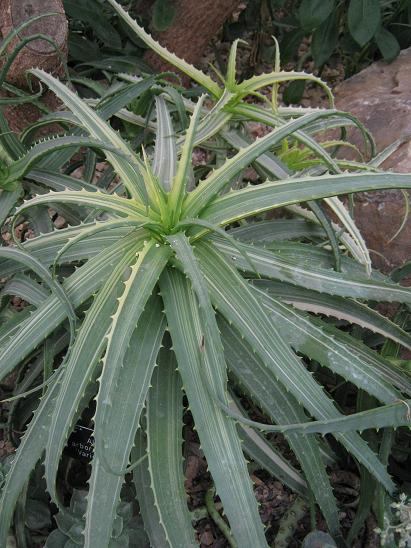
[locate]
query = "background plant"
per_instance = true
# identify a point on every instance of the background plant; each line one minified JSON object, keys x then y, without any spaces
{"x":165,"y":246}
{"x":354,"y":31}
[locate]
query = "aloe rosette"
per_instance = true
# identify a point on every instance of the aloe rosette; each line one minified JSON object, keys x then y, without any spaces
{"x":173,"y":299}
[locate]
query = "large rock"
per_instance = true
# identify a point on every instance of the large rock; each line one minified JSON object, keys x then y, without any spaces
{"x":380,"y":96}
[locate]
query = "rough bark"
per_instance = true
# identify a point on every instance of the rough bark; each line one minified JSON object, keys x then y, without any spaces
{"x":38,"y":53}
{"x":194,"y":25}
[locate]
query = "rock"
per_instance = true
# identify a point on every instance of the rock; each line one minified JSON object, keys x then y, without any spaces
{"x":37,"y":53}
{"x":380,"y":96}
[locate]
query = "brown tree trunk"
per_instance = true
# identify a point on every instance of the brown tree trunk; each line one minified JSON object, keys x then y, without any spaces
{"x":38,"y":53}
{"x":193,"y":27}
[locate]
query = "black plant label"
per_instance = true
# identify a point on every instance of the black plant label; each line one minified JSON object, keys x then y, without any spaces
{"x":81,"y":443}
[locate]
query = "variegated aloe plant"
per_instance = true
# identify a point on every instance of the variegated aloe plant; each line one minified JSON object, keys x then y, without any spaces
{"x":164,"y":255}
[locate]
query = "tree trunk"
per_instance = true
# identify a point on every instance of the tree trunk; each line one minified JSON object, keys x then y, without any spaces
{"x":38,"y":53}
{"x":193,"y":27}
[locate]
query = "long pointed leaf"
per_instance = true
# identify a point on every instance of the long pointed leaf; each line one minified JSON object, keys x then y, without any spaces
{"x":235,"y":301}
{"x":219,"y":438}
{"x":122,"y":423}
{"x":257,"y":199}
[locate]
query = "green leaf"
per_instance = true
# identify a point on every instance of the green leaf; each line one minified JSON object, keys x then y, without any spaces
{"x":144,"y":494}
{"x":337,"y":307}
{"x":122,"y":422}
{"x":265,"y":232}
{"x":218,"y":180}
{"x":257,"y":199}
{"x":180,"y":64}
{"x":262,"y":80}
{"x":26,"y":288}
{"x":336,"y":350}
{"x":97,"y":200}
{"x":179,"y":185}
{"x":278,"y":404}
{"x":164,"y":451}
{"x":264,"y":453}
{"x":99,"y":129}
{"x":165,"y":153}
{"x":272,"y":265}
{"x":325,"y":39}
{"x":164,"y":12}
{"x":58,"y":181}
{"x":387,"y":44}
{"x":50,"y":314}
{"x":234,"y":299}
{"x":90,"y":12}
{"x":29,"y":452}
{"x":21,"y":167}
{"x":363,"y":18}
{"x":312,"y":13}
{"x":218,"y":435}
{"x":81,"y":366}
{"x":33,"y":264}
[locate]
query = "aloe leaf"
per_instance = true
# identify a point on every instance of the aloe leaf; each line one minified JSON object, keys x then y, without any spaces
{"x":99,"y":129}
{"x":8,"y":200}
{"x":262,"y":80}
{"x":165,"y":153}
{"x":218,"y":436}
{"x":21,"y":167}
{"x":80,"y":367}
{"x":65,"y":118}
{"x":268,"y":161}
{"x":265,"y":232}
{"x":144,"y":494}
{"x":164,"y":451}
{"x":392,"y":415}
{"x":92,"y":231}
{"x":235,"y":300}
{"x":45,"y":246}
{"x":257,"y":199}
{"x":346,"y":220}
{"x":26,"y":288}
{"x":320,"y":258}
{"x":348,"y":242}
{"x":58,"y":181}
{"x":214,"y":120}
{"x":122,"y":422}
{"x":230,"y":79}
{"x":114,"y":331}
{"x":111,"y":104}
{"x":343,"y":119}
{"x":33,"y":264}
{"x":29,"y":452}
{"x":272,"y":265}
{"x":180,"y":64}
{"x":329,"y":230}
{"x":278,"y":404}
{"x":337,"y":307}
{"x":261,"y":451}
{"x":51,"y":313}
{"x":145,"y":272}
{"x":208,"y":189}
{"x":180,"y":180}
{"x":97,"y":200}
